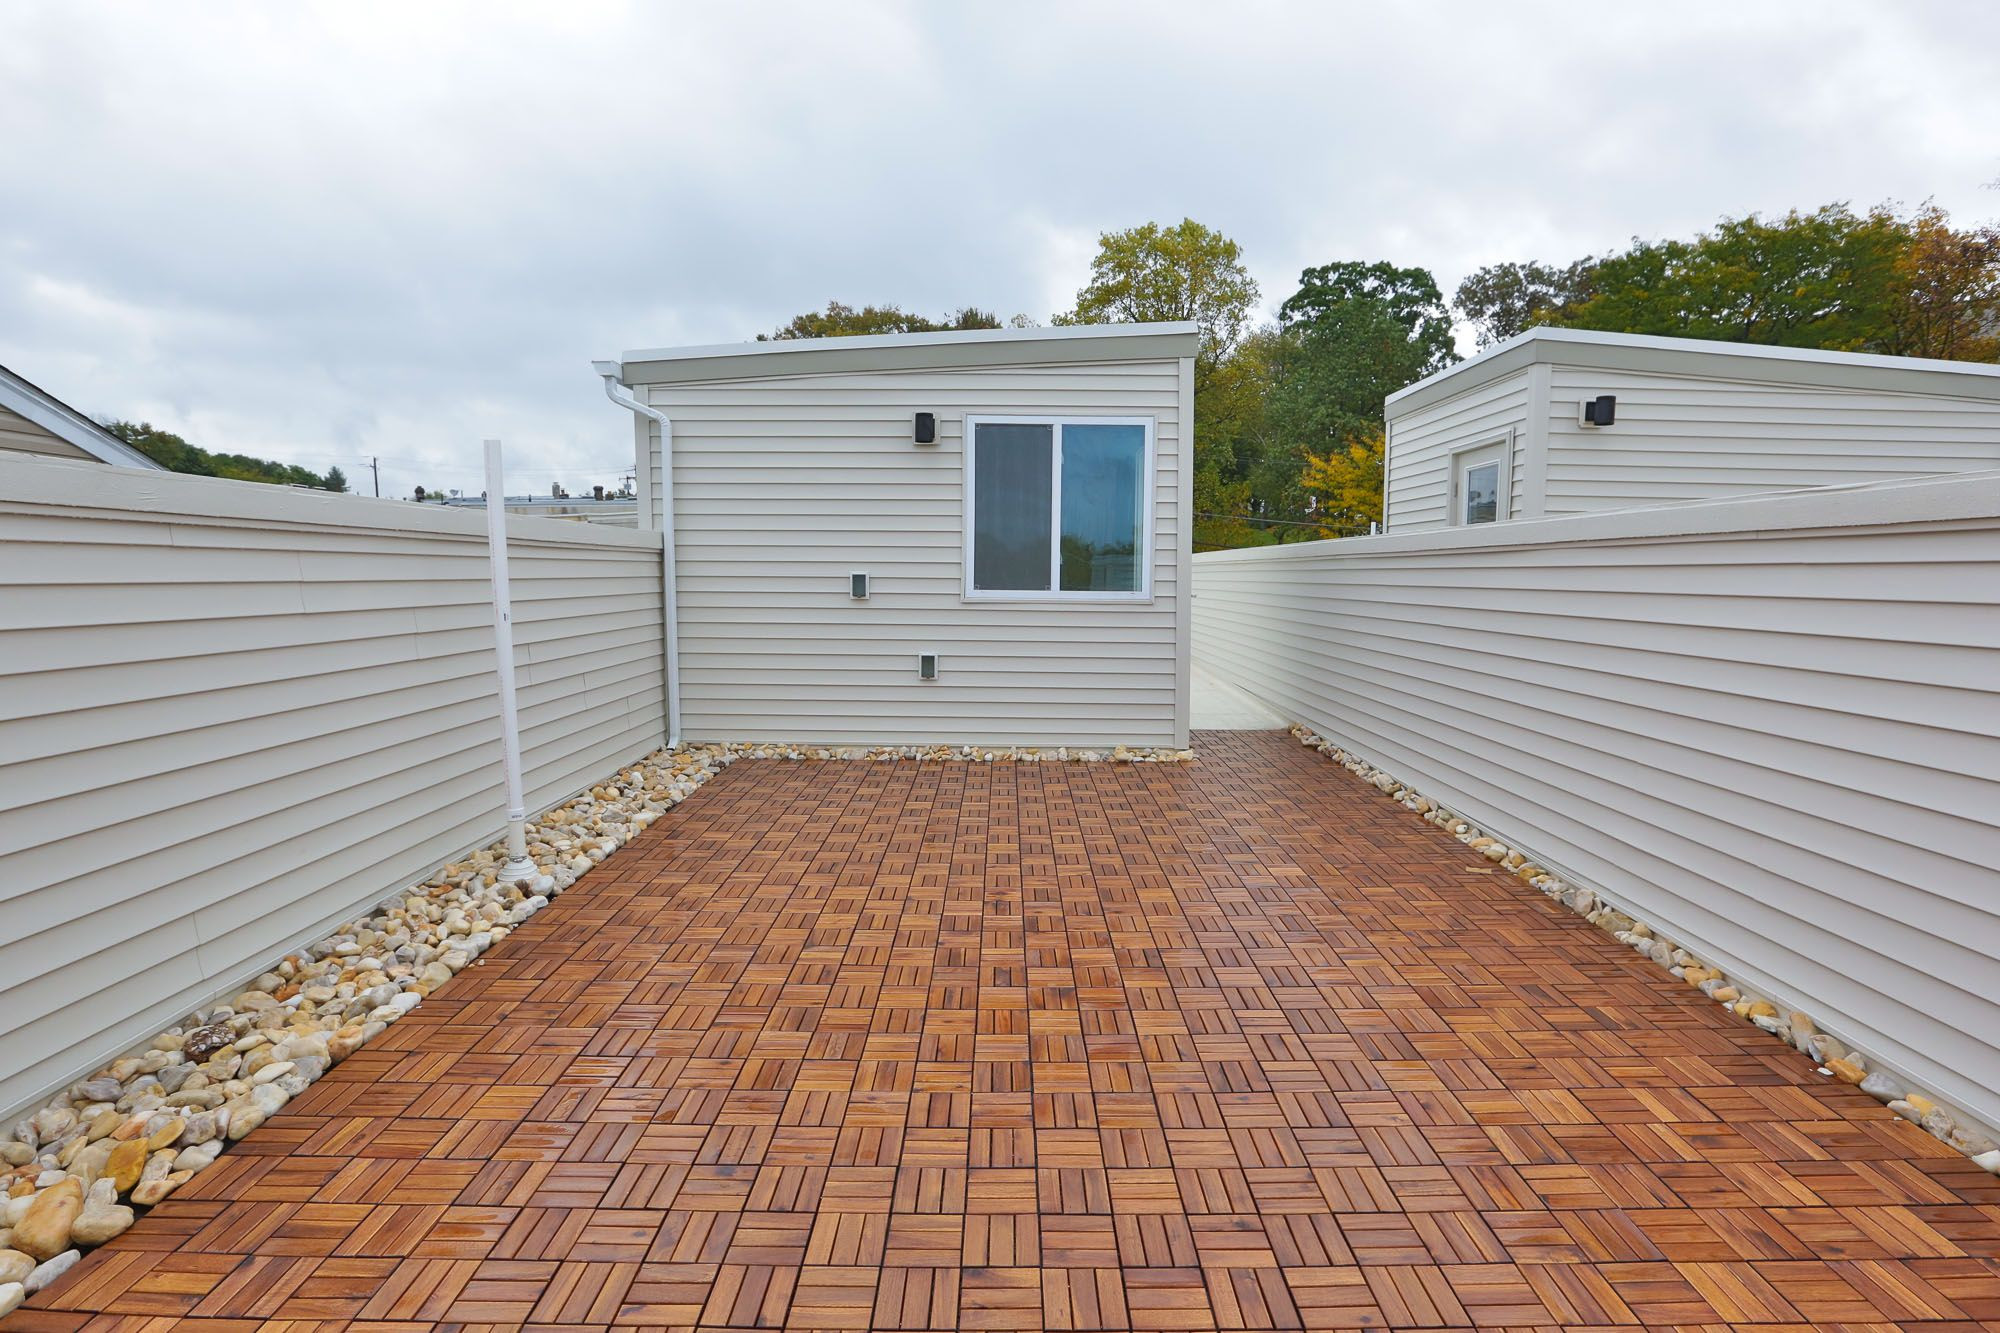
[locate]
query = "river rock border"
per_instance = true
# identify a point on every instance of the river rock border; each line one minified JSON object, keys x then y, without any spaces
{"x":1837,"y":1059}
{"x":74,"y":1174}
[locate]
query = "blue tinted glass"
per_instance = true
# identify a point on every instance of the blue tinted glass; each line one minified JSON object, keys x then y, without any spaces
{"x":1103,"y":508}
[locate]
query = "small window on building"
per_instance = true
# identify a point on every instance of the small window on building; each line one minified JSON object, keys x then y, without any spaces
{"x":1479,"y":484}
{"x":1057,"y":508}
{"x":1482,"y":493}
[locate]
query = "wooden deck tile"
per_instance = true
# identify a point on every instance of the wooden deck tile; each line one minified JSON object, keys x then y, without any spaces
{"x":955,"y":1046}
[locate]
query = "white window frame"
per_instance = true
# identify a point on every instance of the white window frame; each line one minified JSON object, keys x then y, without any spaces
{"x":1471,"y":456}
{"x":1148,"y":480}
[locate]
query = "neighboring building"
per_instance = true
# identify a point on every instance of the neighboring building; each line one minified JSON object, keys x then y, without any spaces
{"x":613,"y":511}
{"x":1502,"y":435}
{"x":1018,"y":577}
{"x":34,"y":422}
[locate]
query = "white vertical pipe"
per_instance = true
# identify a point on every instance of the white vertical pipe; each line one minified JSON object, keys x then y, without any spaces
{"x":670,"y":641}
{"x":518,"y":865}
{"x":670,"y":609}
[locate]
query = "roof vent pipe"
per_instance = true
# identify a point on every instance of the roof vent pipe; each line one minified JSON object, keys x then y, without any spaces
{"x":670,"y":646}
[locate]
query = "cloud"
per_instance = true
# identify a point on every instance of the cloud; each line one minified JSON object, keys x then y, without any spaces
{"x":323,"y":232}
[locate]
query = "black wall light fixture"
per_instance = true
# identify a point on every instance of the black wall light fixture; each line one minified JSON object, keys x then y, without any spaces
{"x":1600,"y":411}
{"x":926,"y":428}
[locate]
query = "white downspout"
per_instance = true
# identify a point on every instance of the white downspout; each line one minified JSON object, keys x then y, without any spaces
{"x":671,"y":665}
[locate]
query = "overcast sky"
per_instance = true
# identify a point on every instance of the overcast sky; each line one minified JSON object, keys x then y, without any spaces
{"x":320,"y":232}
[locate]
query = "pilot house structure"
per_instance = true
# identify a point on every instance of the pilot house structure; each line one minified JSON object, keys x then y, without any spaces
{"x":977,"y":538}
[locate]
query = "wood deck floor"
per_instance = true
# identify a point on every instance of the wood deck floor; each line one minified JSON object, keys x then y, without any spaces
{"x":942,"y":1046}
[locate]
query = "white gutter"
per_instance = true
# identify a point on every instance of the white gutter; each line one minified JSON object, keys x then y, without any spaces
{"x":671,"y":663}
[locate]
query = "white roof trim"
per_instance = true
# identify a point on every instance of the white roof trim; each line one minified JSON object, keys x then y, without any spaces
{"x":66,"y":423}
{"x":1698,"y":356}
{"x":788,"y":357}
{"x":875,"y":341}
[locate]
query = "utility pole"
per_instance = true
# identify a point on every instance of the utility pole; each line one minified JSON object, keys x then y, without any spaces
{"x":375,"y":465}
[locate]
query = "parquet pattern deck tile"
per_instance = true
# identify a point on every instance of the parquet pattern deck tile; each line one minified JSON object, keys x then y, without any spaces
{"x":958,"y":1046}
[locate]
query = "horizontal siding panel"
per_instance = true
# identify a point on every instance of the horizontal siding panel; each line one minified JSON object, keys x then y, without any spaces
{"x":1421,"y":444}
{"x":1680,"y":438}
{"x":228,"y":728}
{"x":1782,"y":746}
{"x":784,"y":486}
{"x":21,"y":435}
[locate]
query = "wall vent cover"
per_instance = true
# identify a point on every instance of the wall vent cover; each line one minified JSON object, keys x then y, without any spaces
{"x":857,"y":586}
{"x":927,"y":666}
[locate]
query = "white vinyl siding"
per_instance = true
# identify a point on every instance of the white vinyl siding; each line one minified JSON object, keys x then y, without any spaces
{"x":1695,"y":421}
{"x":785,"y":486}
{"x":21,"y":435}
{"x":1769,"y":726}
{"x":1421,"y":445}
{"x":231,"y":715}
{"x":1680,"y":438}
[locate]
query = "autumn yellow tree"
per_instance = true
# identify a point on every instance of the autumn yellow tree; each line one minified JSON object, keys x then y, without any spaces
{"x":1346,"y":484}
{"x":1950,"y":290}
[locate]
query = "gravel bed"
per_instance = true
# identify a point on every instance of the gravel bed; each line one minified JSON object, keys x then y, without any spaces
{"x":77,"y":1172}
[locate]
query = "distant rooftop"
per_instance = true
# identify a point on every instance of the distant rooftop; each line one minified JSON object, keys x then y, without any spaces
{"x":44,"y":409}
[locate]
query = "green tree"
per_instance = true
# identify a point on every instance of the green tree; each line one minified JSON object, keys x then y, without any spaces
{"x":1355,"y":333}
{"x":1232,"y":430}
{"x":1332,"y":294}
{"x":334,"y":480}
{"x":1826,"y":279}
{"x":1152,"y":273}
{"x":1907,"y":284}
{"x":844,"y":321}
{"x":1502,"y":300}
{"x":1352,"y":334}
{"x":175,"y":454}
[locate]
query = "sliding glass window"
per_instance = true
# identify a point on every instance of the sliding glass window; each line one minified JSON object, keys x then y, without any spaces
{"x":1058,"y":508}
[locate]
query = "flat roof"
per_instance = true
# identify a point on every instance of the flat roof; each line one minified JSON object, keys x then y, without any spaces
{"x":1699,"y":357}
{"x":908,"y":351}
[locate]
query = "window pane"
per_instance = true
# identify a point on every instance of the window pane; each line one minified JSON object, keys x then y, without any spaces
{"x":1103,"y":509}
{"x":1012,"y":470}
{"x":1482,"y":493}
